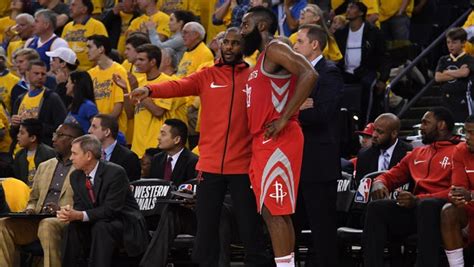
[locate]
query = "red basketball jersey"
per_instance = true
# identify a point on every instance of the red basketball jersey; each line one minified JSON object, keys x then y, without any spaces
{"x":267,"y":96}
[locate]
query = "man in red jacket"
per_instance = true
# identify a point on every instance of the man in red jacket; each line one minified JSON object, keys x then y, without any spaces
{"x":428,"y":168}
{"x":225,"y":150}
{"x":457,"y":217}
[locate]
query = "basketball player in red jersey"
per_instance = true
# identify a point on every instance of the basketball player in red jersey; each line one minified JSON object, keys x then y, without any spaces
{"x":276,"y":88}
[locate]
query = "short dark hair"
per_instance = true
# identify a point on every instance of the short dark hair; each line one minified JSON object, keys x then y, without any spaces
{"x":137,"y":38}
{"x":108,"y":122}
{"x":152,"y":52}
{"x":184,"y":16}
{"x":150,"y":152}
{"x":33,"y":127}
{"x":178,"y":128}
{"x":443,"y":114}
{"x":457,"y":33}
{"x":361,"y":6}
{"x":36,"y":62}
{"x":75,"y":128}
{"x":101,"y":41}
{"x":316,"y":33}
{"x":265,"y":14}
{"x":89,"y":5}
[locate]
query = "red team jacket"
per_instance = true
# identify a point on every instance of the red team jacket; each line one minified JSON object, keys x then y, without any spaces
{"x":428,"y":166}
{"x":225,"y":141}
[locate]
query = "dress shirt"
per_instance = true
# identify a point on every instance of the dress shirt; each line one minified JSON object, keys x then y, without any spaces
{"x":108,"y":150}
{"x":175,"y":158}
{"x":390,"y":153}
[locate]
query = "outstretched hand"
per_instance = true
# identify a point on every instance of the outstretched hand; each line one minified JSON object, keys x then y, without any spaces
{"x":137,"y":95}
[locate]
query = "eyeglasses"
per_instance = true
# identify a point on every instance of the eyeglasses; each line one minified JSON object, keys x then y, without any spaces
{"x":59,"y":135}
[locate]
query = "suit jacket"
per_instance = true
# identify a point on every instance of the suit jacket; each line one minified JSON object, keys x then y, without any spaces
{"x":320,"y":126}
{"x":368,"y":159}
{"x":128,"y":160}
{"x":373,"y":57}
{"x":114,"y":201}
{"x":43,"y":177}
{"x":20,"y":164}
{"x":185,"y":168}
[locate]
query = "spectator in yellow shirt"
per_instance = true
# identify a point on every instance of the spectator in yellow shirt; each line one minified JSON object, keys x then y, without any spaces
{"x":23,"y":30}
{"x":151,"y":13}
{"x":77,"y":31}
{"x":108,"y":96}
{"x":150,"y":114}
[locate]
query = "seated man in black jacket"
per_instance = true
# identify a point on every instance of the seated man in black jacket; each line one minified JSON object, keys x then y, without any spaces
{"x":105,"y":127}
{"x":386,"y":151}
{"x":175,"y":162}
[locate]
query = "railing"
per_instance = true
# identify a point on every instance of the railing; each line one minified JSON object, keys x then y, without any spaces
{"x":408,"y":68}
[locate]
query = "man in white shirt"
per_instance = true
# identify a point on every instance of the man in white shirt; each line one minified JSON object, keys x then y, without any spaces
{"x":364,"y":61}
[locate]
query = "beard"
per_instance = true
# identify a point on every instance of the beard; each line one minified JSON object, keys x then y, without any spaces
{"x":429,"y":138}
{"x":251,"y":42}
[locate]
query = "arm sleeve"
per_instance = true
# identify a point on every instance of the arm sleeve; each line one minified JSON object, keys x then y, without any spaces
{"x":398,"y":175}
{"x":187,"y":86}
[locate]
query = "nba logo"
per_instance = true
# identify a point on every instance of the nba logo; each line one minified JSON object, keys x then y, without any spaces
{"x":363,"y":192}
{"x":185,"y":187}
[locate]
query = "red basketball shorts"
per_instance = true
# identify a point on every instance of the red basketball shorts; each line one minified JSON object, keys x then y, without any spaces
{"x":275,"y":169}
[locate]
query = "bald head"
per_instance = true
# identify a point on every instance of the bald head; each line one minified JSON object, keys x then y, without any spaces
{"x":386,"y":128}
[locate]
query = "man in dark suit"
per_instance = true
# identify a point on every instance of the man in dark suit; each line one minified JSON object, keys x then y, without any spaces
{"x":364,"y":58}
{"x":105,"y":215}
{"x":386,"y":151}
{"x":178,"y":164}
{"x":321,"y":164}
{"x":175,"y":162}
{"x":105,"y":127}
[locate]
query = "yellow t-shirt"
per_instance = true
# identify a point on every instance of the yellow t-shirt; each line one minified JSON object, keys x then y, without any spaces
{"x":107,"y":93}
{"x":388,"y":8}
{"x":30,"y":157}
{"x":4,"y":7}
{"x":469,"y":48}
{"x":4,"y":125}
{"x":17,"y":194}
{"x":161,"y":19}
{"x":192,"y":60}
{"x":126,"y":20}
{"x":76,"y":35}
{"x":6,"y":85}
{"x":169,"y":6}
{"x":98,"y":6}
{"x":5,"y":23}
{"x":12,"y":48}
{"x":129,"y":67}
{"x":147,"y":127}
{"x":31,"y":105}
{"x":331,"y":51}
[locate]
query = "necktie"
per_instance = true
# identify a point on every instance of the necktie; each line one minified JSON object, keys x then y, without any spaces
{"x":386,"y":160}
{"x":168,"y":169}
{"x":104,"y":155}
{"x":90,"y":190}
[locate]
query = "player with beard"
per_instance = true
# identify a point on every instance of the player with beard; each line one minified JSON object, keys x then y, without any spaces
{"x":428,"y":169}
{"x":225,"y":150}
{"x":457,"y":217}
{"x":386,"y":151}
{"x":280,"y":82}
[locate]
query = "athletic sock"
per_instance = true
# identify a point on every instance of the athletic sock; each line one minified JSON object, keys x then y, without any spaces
{"x":455,"y":257}
{"x":286,"y":261}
